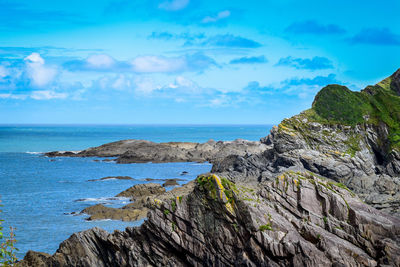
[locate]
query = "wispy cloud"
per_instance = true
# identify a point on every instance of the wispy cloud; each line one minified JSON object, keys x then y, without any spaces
{"x":314,"y":27}
{"x":315,"y":63}
{"x":173,"y":5}
{"x":196,"y":62}
{"x":376,"y":36}
{"x":47,"y":94}
{"x":249,"y":60}
{"x":230,"y":40}
{"x":217,"y":17}
{"x":187,"y":36}
{"x":318,"y":80}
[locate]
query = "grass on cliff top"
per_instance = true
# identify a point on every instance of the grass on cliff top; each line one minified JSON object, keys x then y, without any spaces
{"x":336,"y":104}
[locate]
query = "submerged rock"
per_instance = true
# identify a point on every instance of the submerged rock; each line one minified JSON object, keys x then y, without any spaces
{"x":112,"y":178}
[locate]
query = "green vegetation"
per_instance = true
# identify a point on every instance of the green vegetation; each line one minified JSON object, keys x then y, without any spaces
{"x":207,"y":183}
{"x":336,"y":104}
{"x":7,"y":247}
{"x":166,"y":212}
{"x":229,"y":189}
{"x":180,"y":198}
{"x":265,"y":227}
{"x":173,"y":204}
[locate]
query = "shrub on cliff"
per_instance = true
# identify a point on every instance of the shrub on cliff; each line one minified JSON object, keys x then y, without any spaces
{"x":7,"y":246}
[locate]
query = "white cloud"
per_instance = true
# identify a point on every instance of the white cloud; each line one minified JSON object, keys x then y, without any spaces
{"x":184,"y":86}
{"x":47,"y":94}
{"x":39,"y":74}
{"x":173,"y":5}
{"x":35,"y":58}
{"x":3,"y":72}
{"x":148,"y":64}
{"x":12,"y":96}
{"x":222,"y":100}
{"x":145,"y":85}
{"x":221,"y":15}
{"x":122,"y":82}
{"x":100,"y":61}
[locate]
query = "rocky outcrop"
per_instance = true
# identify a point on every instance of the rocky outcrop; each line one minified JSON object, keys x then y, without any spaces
{"x":141,"y":195}
{"x":345,"y":154}
{"x":140,"y":151}
{"x":300,"y":219}
{"x":142,"y":190}
{"x":100,"y":212}
{"x":362,"y":151}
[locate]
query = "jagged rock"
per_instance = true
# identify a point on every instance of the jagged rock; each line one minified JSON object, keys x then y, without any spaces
{"x":142,"y":190}
{"x":347,"y":155}
{"x":170,"y":182}
{"x":142,"y":195}
{"x":299,"y":219}
{"x":349,"y":137}
{"x":100,"y":212}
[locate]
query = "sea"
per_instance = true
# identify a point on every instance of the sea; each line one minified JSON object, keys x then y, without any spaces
{"x":42,"y":197}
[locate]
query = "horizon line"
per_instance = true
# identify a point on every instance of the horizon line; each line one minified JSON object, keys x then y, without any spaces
{"x":136,"y":124}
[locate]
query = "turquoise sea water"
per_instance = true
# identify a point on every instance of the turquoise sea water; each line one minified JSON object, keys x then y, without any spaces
{"x":39,"y":193}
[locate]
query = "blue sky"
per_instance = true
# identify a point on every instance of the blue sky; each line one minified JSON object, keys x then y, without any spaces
{"x":186,"y":61}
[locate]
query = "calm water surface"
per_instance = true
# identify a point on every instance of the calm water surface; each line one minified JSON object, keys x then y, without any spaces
{"x":40,"y":193}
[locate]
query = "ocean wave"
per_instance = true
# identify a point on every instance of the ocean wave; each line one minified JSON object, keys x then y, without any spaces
{"x":34,"y":153}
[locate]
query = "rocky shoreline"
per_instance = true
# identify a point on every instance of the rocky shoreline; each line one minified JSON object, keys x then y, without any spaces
{"x":322,"y":189}
{"x":141,"y":151}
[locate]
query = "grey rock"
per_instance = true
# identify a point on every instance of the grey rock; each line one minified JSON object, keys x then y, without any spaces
{"x":140,"y":151}
{"x":357,"y":156}
{"x":299,"y":219}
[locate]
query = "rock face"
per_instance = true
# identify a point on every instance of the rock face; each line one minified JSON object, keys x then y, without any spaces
{"x":362,"y":152}
{"x":140,"y":151}
{"x":348,"y":155}
{"x":299,"y":219}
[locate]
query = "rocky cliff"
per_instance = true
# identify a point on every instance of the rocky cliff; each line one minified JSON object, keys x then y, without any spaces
{"x":300,"y":219}
{"x":296,"y":200}
{"x":350,"y":137}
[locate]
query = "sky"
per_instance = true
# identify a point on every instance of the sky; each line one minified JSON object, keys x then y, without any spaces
{"x":186,"y":61}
